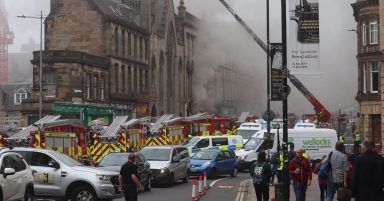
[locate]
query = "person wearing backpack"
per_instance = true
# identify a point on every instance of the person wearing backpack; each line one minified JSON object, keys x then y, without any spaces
{"x":322,"y":181}
{"x":274,"y":165}
{"x":261,"y":174}
{"x":338,"y":174}
{"x":368,"y":175}
{"x":301,"y":174}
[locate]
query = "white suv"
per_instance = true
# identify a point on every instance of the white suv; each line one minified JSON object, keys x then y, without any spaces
{"x":16,"y":178}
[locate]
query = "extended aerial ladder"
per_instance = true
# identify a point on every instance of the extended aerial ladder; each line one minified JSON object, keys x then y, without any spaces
{"x":323,"y":115}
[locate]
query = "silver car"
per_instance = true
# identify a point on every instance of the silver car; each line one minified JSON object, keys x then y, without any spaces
{"x":169,"y":163}
{"x":58,"y":176}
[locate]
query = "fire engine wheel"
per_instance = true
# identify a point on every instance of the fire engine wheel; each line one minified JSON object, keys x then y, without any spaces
{"x":83,"y":193}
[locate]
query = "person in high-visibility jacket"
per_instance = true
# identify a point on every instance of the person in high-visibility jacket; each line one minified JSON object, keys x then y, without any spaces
{"x":357,"y":139}
{"x":341,"y":138}
{"x":279,"y":173}
{"x":234,"y":130}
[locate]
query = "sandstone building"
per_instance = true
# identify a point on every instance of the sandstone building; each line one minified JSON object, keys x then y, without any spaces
{"x":369,"y":15}
{"x":134,"y":55}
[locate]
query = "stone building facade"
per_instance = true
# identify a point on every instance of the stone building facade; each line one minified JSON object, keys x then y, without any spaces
{"x":172,"y":39}
{"x":369,"y":15}
{"x":134,"y":55}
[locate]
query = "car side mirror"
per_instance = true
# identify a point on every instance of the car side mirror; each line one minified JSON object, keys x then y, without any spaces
{"x":54,"y":164}
{"x":8,"y":171}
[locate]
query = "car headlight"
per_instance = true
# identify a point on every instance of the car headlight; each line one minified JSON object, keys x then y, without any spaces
{"x":206,"y":164}
{"x":104,"y":177}
{"x":163,"y":170}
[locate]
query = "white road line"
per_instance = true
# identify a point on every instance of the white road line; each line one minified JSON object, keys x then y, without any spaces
{"x":213,"y":183}
{"x":240,"y":192}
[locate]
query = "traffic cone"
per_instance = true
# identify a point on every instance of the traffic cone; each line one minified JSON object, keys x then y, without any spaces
{"x":200,"y":186}
{"x":272,"y":199}
{"x":205,"y":181}
{"x":194,"y":190}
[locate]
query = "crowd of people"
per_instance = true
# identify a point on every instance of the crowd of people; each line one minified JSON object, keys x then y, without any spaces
{"x":359,"y":174}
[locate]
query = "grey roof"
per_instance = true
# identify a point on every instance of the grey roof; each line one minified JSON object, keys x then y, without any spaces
{"x":23,"y":134}
{"x":7,"y":92}
{"x":116,"y":11}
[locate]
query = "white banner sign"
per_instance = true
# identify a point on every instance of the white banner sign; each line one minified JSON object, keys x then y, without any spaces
{"x":303,"y":50}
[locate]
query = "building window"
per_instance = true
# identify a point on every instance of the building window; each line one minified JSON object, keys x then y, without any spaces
{"x":49,"y":83}
{"x":88,"y":86}
{"x":134,"y":45}
{"x":129,"y":44}
{"x":374,"y":77}
{"x":123,"y":43}
{"x":129,"y":80}
{"x":364,"y":78}
{"x":140,"y":48}
{"x":364,"y":34}
{"x":123,"y":79}
{"x":102,"y":87}
{"x":146,"y":49}
{"x":116,"y":41}
{"x":95,"y":87}
{"x":117,"y":79}
{"x":374,"y":33}
{"x":20,"y":95}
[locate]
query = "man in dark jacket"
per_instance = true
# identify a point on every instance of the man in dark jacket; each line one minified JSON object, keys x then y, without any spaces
{"x":368,"y":175}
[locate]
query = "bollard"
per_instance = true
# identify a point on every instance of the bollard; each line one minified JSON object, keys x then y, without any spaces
{"x":205,"y":181}
{"x":194,"y":190}
{"x":200,"y":186}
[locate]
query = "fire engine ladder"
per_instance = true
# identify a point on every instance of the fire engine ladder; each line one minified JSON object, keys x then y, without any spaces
{"x":133,"y":122}
{"x":174,"y":120}
{"x":243,"y":117}
{"x":114,"y":128}
{"x":23,"y":134}
{"x":155,"y":128}
{"x":60,"y":122}
{"x":320,"y":110}
{"x":198,"y":116}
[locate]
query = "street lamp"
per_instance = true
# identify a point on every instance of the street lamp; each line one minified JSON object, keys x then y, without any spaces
{"x":41,"y":62}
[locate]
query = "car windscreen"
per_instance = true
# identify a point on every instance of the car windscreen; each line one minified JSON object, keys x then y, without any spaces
{"x":156,"y":154}
{"x":205,"y":155}
{"x":65,"y":159}
{"x":114,"y":160}
{"x":252,"y":143}
{"x":246,"y":134}
{"x":191,"y":141}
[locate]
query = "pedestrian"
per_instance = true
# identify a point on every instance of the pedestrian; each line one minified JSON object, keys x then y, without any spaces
{"x":301,"y":174}
{"x":291,"y":152}
{"x":322,"y":182}
{"x":357,"y":139}
{"x":261,"y":174}
{"x":367,"y":177}
{"x":129,"y":179}
{"x":339,"y":171}
{"x":274,"y":165}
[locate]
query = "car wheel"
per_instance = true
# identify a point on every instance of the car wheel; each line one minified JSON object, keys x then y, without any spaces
{"x":234,"y":172}
{"x":149,"y":184}
{"x":213,"y":174}
{"x":28,"y":195}
{"x":83,"y":193}
{"x":186,"y":178}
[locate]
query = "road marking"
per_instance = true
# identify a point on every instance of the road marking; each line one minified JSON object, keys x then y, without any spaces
{"x":213,"y":183}
{"x":241,"y":191}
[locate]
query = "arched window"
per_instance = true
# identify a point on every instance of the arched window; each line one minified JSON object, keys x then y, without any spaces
{"x":153,"y":71}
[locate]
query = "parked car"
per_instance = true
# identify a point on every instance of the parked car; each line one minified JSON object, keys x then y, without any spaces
{"x":16,"y":178}
{"x":215,"y":162}
{"x":169,"y":163}
{"x":56,"y":175}
{"x":197,"y":143}
{"x":114,"y":162}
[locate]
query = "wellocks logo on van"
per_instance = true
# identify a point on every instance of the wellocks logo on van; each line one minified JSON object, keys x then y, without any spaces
{"x":316,"y":142}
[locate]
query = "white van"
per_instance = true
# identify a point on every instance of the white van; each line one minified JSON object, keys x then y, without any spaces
{"x":316,"y":143}
{"x":248,"y":129}
{"x":195,"y":144}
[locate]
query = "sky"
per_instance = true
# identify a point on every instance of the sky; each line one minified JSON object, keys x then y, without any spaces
{"x":226,"y":41}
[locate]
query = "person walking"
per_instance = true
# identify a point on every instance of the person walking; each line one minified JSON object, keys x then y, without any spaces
{"x":129,"y":179}
{"x":274,"y":165}
{"x":261,"y":173}
{"x":339,"y":171}
{"x":322,"y":182}
{"x":368,"y":175}
{"x":301,"y":174}
{"x":357,"y":139}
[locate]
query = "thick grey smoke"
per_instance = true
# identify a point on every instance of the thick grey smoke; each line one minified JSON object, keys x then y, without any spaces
{"x":336,"y":87}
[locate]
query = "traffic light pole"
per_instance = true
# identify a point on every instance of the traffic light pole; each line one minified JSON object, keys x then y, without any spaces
{"x":286,"y":181}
